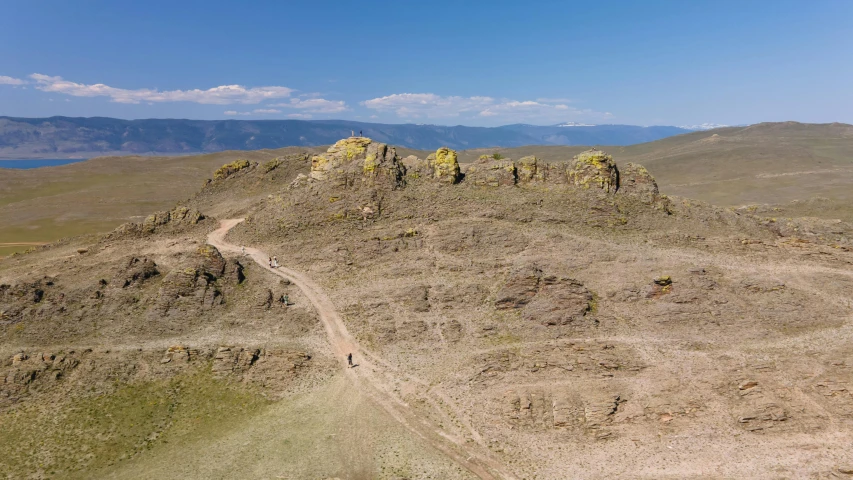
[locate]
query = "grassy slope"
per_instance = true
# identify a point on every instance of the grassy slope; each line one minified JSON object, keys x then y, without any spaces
{"x":46,"y":204}
{"x":764,"y":163}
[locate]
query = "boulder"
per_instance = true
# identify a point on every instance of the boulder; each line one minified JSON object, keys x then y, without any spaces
{"x":493,"y":173}
{"x":359,"y":160}
{"x":635,"y":180}
{"x":594,"y":169}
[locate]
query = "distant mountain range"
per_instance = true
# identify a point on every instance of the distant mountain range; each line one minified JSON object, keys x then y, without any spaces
{"x":64,"y":137}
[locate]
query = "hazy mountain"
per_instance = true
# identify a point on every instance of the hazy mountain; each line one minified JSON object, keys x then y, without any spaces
{"x":58,"y":137}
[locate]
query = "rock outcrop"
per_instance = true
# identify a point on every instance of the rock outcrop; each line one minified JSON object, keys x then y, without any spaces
{"x":635,"y":180}
{"x":178,"y":217}
{"x":359,"y":161}
{"x":444,"y":165}
{"x":531,"y":169}
{"x":229,"y":169}
{"x":595,"y":169}
{"x":493,"y":173}
{"x":195,"y":286}
{"x":546,"y":299}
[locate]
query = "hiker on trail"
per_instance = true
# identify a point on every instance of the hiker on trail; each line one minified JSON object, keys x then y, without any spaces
{"x":349,"y":359}
{"x":286,"y":300}
{"x":274,"y":262}
{"x":270,"y":262}
{"x":352,"y":133}
{"x":243,"y":249}
{"x":359,"y":134}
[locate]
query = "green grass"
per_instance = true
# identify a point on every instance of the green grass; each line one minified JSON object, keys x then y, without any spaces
{"x":88,"y":434}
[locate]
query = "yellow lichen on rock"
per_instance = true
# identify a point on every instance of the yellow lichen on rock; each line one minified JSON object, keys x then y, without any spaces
{"x":445,"y":165}
{"x":528,"y":169}
{"x":230,"y":168}
{"x":370,"y":164}
{"x":356,"y":161}
{"x":594,"y":168}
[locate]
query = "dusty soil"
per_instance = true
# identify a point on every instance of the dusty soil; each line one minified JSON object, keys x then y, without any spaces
{"x":528,"y":331}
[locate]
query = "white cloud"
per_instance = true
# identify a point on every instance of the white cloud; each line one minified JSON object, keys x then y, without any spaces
{"x":222,"y":95}
{"x":4,"y":80}
{"x":303,"y":116}
{"x":234,"y":113}
{"x":429,"y":105}
{"x":315,"y":105}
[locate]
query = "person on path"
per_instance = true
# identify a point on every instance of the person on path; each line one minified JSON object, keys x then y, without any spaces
{"x":349,"y":359}
{"x":270,"y":262}
{"x":359,"y":134}
{"x":243,"y":249}
{"x":274,"y":262}
{"x":352,"y":133}
{"x":286,"y":300}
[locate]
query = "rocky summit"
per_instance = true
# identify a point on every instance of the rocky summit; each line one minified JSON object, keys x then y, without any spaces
{"x":541,"y":317}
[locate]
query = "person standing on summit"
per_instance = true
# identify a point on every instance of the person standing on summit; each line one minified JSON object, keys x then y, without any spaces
{"x":349,"y":359}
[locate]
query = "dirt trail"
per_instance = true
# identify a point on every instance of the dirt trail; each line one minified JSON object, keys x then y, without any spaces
{"x":377,"y":378}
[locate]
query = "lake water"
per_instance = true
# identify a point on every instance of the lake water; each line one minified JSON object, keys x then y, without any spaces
{"x":45,"y":162}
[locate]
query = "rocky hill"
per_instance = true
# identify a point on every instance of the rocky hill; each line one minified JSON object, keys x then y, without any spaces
{"x":61,"y":137}
{"x":510,"y":317}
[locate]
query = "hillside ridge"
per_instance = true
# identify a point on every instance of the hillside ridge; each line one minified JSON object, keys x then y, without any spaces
{"x":57,"y":137}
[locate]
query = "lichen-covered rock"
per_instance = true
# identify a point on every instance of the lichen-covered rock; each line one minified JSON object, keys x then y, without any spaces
{"x":359,"y":160}
{"x":594,"y":169}
{"x":229,"y":169}
{"x":444,"y":165}
{"x":529,"y":169}
{"x":493,"y":173}
{"x":635,"y":180}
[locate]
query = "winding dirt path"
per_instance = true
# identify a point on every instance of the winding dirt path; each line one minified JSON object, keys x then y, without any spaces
{"x":379,"y":379}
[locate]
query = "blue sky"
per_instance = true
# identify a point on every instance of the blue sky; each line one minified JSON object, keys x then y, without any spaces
{"x":455,"y":62}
